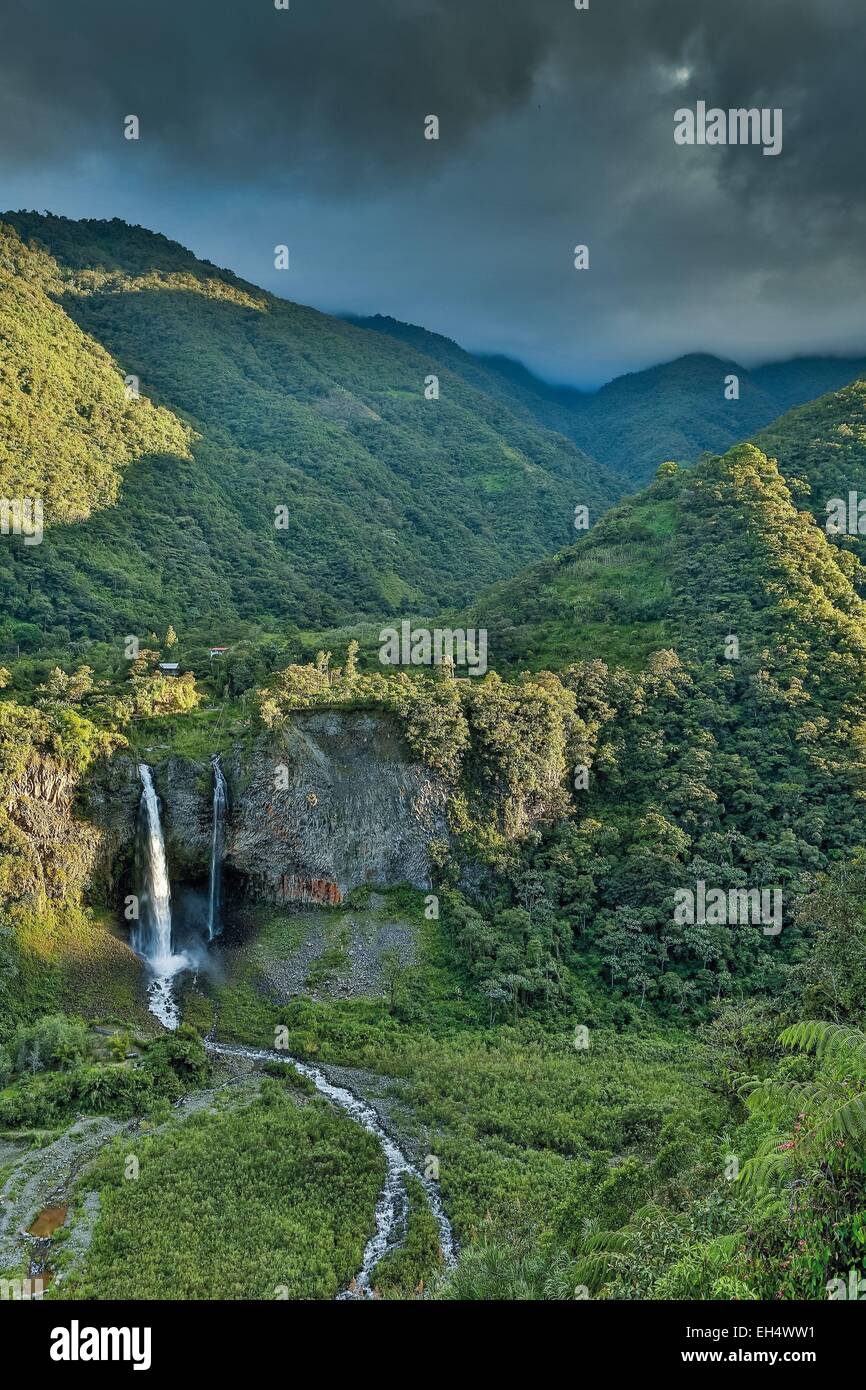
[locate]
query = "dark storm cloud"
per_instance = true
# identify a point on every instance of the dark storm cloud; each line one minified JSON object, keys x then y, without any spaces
{"x":556,"y":127}
{"x":328,"y":91}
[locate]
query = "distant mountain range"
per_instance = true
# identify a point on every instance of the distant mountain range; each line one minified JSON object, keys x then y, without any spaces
{"x":219,"y":457}
{"x":676,"y":410}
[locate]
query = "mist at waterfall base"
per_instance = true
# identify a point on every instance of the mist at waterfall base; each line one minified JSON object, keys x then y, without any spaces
{"x":173,"y":931}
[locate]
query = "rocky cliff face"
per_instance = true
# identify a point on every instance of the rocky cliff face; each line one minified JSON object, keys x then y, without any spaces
{"x":332,"y":801}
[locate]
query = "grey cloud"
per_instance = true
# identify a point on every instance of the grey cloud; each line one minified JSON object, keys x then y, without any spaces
{"x":557,"y":127}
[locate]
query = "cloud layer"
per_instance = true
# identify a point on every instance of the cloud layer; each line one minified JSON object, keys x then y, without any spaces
{"x":305,"y":126}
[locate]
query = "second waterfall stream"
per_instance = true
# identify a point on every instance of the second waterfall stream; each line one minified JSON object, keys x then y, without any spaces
{"x":220,"y":807}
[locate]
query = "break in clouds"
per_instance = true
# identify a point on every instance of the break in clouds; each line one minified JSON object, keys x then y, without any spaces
{"x":305,"y":126}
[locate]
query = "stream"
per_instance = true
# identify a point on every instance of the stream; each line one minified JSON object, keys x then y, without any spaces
{"x":391,"y":1206}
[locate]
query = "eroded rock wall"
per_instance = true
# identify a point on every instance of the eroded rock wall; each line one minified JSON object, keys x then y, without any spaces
{"x":331,"y":801}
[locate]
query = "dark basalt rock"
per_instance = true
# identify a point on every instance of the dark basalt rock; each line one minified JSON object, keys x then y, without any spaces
{"x":329,"y":802}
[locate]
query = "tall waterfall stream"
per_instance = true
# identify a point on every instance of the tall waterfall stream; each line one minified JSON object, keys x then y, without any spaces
{"x":220,"y":806}
{"x":152,"y":934}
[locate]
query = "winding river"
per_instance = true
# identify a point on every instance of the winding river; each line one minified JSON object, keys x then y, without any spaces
{"x":392,"y":1199}
{"x":154,"y":943}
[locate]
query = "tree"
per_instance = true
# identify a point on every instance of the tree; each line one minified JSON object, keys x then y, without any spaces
{"x":632,"y":953}
{"x":393,"y":974}
{"x":832,"y":979}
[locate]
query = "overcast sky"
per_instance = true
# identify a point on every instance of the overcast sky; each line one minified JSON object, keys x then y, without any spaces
{"x":306,"y":127}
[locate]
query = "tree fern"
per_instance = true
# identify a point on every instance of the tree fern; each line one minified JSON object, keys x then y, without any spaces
{"x":829,"y":1040}
{"x":817,"y":1122}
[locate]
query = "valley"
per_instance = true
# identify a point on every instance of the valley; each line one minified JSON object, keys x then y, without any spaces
{"x":331,"y":977}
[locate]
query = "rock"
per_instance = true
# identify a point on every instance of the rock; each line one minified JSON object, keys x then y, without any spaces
{"x":333,"y":802}
{"x":329,"y":802}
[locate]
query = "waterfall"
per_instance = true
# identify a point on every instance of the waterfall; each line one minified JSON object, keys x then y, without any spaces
{"x":220,"y":805}
{"x":152,"y":933}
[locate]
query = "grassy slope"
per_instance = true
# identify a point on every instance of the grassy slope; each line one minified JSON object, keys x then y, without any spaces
{"x":824,"y":443}
{"x":71,"y":962}
{"x":606,"y":596}
{"x":610,"y":594}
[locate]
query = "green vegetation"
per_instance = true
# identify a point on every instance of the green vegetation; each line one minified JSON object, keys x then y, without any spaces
{"x":261,"y":1201}
{"x":407,"y":1272}
{"x":248,"y":403}
{"x":53,"y":1075}
{"x":608,"y":595}
{"x":821,"y":449}
{"x":736,"y":757}
{"x":68,"y":427}
{"x":620,"y":1102}
{"x":677,"y":410}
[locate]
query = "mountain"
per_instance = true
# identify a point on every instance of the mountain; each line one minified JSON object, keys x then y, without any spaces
{"x":69,"y":431}
{"x":714,"y":638}
{"x":163,"y":507}
{"x":573,"y":1042}
{"x":614,"y":593}
{"x":824,"y":444}
{"x":559,"y":408}
{"x":676,"y":410}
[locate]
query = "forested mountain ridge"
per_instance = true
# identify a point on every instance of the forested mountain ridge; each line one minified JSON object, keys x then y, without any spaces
{"x":676,"y":410}
{"x":823,"y":443}
{"x":612,"y":592}
{"x":391,"y":501}
{"x":69,"y":427}
{"x":733,"y":751}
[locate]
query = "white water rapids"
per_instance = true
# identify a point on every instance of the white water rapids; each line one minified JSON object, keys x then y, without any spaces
{"x":392,"y":1199}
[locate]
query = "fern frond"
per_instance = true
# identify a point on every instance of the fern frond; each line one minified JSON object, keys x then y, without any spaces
{"x":723,"y":1248}
{"x":606,"y":1243}
{"x":846,"y":1121}
{"x":828,"y":1040}
{"x":779,"y":1098}
{"x":766,"y":1168}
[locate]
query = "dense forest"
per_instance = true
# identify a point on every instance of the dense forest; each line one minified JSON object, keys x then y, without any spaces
{"x":676,"y":410}
{"x":616,"y":1095}
{"x":279,"y":454}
